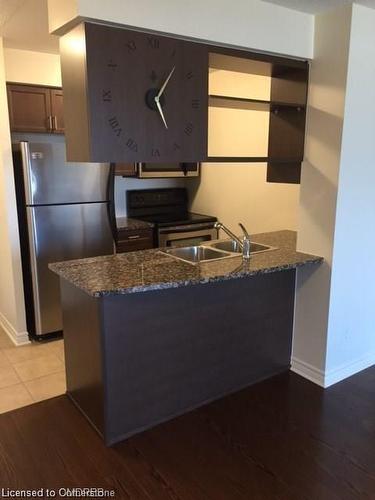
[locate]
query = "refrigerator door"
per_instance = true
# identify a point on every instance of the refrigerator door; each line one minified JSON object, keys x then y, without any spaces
{"x":49,"y":179}
{"x":57,"y":233}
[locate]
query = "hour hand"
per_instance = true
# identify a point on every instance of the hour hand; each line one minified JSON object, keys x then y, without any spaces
{"x":158,"y":105}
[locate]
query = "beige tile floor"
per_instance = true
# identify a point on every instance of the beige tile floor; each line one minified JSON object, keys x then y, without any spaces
{"x":31,"y":373}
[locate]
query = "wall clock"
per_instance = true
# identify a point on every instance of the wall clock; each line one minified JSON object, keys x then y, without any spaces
{"x":147,"y":96}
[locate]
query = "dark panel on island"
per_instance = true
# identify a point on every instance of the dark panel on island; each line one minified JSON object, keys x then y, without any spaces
{"x":145,"y":358}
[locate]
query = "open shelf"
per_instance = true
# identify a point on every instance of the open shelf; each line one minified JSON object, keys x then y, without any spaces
{"x":251,"y":159}
{"x":244,"y":102}
{"x":257,"y":112}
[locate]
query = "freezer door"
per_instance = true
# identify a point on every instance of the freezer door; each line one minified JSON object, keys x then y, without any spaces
{"x":49,"y":179}
{"x":57,"y":233}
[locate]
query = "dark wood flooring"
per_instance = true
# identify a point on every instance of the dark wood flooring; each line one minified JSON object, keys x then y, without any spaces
{"x":283,"y":439}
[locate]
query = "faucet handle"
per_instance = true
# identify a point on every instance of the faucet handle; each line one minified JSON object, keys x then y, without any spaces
{"x":246,"y":234}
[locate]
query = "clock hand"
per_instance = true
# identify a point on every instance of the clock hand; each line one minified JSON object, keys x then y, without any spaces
{"x":160,"y":110}
{"x":166,"y":82}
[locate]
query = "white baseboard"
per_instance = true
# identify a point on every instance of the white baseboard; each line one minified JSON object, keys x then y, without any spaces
{"x":18,"y":338}
{"x":344,"y":371}
{"x":308,"y":371}
{"x":326,"y":379}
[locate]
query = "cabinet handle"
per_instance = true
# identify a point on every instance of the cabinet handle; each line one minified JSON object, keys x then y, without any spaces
{"x":135,"y":237}
{"x":54,"y":118}
{"x":49,"y":123}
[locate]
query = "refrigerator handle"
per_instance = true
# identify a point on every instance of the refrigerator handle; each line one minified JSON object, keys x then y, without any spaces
{"x":33,"y":246}
{"x":26,"y":167}
{"x":111,"y":200}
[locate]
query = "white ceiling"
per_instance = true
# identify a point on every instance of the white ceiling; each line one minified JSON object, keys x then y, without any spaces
{"x":24,"y":25}
{"x":317,"y":6}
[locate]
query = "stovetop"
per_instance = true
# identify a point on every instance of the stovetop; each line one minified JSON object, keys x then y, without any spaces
{"x":177,"y":219}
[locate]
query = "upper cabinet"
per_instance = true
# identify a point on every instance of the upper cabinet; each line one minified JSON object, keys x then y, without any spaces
{"x":139,"y":97}
{"x":132,"y":96}
{"x":34,"y":108}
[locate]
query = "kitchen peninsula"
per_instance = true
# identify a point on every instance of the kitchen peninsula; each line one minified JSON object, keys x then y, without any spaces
{"x":149,"y":337}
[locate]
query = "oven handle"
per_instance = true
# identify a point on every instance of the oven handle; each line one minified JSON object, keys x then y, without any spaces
{"x":175,"y":235}
{"x":186,"y":228}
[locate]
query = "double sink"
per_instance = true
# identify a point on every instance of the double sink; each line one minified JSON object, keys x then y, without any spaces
{"x":216,"y":250}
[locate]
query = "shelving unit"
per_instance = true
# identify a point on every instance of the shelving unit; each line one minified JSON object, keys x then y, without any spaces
{"x":283,"y":98}
{"x":238,"y":102}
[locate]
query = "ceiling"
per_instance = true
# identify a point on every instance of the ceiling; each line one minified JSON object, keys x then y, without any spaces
{"x":317,"y":6}
{"x":24,"y":25}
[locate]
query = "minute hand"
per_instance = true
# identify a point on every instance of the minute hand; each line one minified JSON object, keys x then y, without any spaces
{"x":160,"y":111}
{"x":166,"y":82}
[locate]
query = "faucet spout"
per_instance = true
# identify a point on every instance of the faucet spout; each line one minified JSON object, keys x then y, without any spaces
{"x":219,"y":225}
{"x":244,"y":244}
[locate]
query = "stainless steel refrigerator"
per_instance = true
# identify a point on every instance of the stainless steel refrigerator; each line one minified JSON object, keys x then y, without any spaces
{"x":65,"y":212}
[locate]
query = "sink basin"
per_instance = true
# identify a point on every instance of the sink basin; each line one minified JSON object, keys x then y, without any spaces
{"x":233,"y":246}
{"x":196,"y":254}
{"x":217,"y":250}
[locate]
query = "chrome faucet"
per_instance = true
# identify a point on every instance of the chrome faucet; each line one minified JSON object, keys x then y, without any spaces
{"x":244,"y":244}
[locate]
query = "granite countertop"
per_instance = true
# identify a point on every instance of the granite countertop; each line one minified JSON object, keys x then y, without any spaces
{"x":148,"y":270}
{"x":127,"y":223}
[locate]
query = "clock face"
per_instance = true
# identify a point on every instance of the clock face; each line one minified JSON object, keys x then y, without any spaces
{"x":150,"y":94}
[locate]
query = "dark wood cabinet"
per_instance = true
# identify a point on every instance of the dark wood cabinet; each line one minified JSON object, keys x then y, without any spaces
{"x":287,"y":123}
{"x":129,"y":240}
{"x":126,"y":169}
{"x":134,"y":96}
{"x":57,"y":110}
{"x":33,"y":108}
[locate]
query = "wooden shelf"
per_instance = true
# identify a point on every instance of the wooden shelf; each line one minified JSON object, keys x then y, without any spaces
{"x":247,"y":103}
{"x":251,"y":159}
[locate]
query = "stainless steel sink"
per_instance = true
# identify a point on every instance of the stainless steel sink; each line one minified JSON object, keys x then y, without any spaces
{"x":196,"y":254}
{"x":211,"y":251}
{"x":233,"y":246}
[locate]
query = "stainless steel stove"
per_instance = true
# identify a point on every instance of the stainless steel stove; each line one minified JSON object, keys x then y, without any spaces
{"x":167,"y":209}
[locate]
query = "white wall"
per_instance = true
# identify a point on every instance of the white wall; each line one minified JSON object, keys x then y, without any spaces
{"x":351,"y":326}
{"x":12,"y":313}
{"x":319,"y":182}
{"x":334,"y":323}
{"x":27,"y":66}
{"x":252,"y":23}
{"x":239,"y":193}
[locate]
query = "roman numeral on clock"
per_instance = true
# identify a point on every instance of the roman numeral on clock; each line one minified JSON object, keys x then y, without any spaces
{"x":131,"y":46}
{"x":114,"y":123}
{"x":155,"y":152}
{"x":153,"y":42}
{"x":189,"y":129}
{"x":107,"y":95}
{"x":195,"y":103}
{"x":132,"y":145}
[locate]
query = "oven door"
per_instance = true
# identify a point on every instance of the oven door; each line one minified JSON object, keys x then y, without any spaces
{"x":174,"y":169}
{"x":184,"y":236}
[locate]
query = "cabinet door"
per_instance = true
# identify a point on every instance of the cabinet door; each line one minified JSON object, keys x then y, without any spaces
{"x":57,"y":110}
{"x":29,"y":108}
